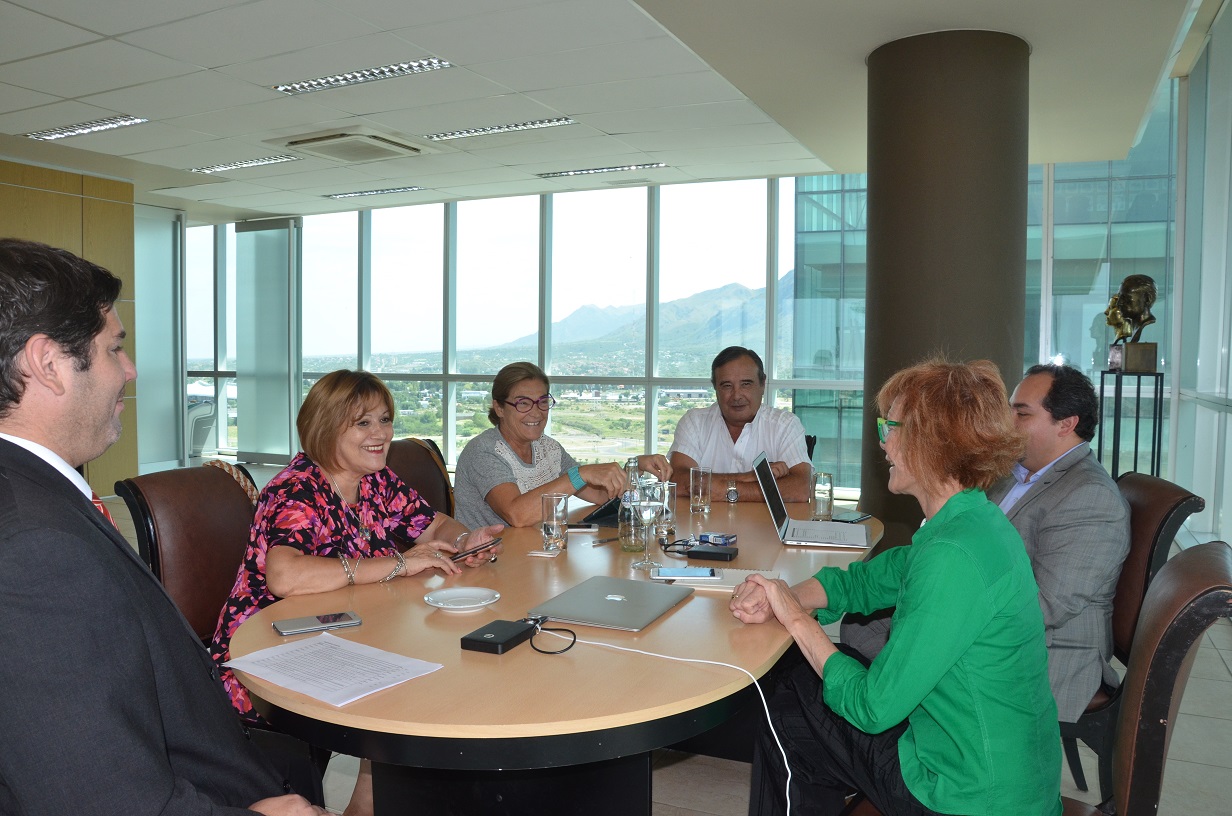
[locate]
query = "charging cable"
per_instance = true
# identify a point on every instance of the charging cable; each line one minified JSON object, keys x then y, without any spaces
{"x":765,"y":706}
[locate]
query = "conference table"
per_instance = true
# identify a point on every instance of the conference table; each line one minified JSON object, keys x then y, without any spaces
{"x":525,"y":732}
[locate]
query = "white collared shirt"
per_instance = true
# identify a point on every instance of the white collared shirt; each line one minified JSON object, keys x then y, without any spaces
{"x":52,"y":458}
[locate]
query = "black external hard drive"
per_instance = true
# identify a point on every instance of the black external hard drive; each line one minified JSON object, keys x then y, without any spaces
{"x":498,"y":637}
{"x":706,"y":553}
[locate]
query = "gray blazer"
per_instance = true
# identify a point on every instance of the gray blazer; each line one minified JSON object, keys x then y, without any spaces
{"x":1075,"y":525}
{"x":109,"y":703}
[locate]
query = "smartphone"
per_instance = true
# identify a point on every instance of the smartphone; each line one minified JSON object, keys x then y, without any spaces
{"x":316,"y":623}
{"x":485,"y":546}
{"x":849,"y":516}
{"x":583,"y":528}
{"x":685,"y":574}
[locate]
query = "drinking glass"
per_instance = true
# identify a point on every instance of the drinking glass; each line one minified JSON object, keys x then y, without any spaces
{"x":554,"y":507}
{"x":666,"y":527}
{"x":699,"y":489}
{"x":646,"y":511}
{"x":823,"y":496}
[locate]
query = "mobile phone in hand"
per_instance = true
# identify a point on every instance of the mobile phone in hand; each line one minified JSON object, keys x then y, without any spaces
{"x":487,"y":545}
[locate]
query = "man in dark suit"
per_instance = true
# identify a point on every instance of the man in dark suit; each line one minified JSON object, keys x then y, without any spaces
{"x":1075,"y":525}
{"x":110,"y":704}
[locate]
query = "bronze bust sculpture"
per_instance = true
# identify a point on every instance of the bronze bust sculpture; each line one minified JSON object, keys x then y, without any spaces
{"x":1129,"y":310}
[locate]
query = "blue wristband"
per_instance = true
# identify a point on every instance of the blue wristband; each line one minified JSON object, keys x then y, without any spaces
{"x":575,"y":478}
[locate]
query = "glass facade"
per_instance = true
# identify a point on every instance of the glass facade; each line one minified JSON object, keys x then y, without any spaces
{"x":625,"y":295}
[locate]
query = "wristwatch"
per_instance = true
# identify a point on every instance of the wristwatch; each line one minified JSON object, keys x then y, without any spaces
{"x":733,"y":494}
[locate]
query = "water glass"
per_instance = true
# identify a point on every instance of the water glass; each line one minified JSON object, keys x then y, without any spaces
{"x":666,"y":526}
{"x":699,"y":489}
{"x":555,"y":508}
{"x":823,"y":496}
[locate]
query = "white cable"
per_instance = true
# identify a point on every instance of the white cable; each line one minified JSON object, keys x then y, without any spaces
{"x":765,"y":706}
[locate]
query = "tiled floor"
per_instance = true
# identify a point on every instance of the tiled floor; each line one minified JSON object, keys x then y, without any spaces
{"x":1198,"y":778}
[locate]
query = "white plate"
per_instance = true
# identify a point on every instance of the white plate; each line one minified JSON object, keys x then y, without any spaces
{"x":462,"y":599}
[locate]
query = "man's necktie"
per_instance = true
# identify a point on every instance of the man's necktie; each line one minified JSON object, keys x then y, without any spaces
{"x":102,"y":508}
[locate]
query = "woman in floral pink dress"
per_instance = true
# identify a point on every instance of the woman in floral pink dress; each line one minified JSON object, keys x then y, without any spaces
{"x":336,"y":515}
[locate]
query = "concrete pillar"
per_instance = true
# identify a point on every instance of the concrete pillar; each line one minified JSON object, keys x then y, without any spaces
{"x":947,"y":215}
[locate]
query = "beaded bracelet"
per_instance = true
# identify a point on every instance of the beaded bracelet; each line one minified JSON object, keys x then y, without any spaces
{"x":398,"y":568}
{"x":350,"y":572}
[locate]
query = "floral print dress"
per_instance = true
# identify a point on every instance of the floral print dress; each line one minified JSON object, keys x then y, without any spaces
{"x":299,"y":508}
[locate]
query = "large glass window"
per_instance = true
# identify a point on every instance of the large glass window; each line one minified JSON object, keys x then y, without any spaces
{"x":329,"y":292}
{"x":712,"y":281}
{"x":498,"y":283}
{"x":408,"y":251}
{"x":599,"y":283}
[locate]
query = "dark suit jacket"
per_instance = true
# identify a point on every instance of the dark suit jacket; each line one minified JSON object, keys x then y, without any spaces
{"x":108,"y":702}
{"x":1075,"y":525}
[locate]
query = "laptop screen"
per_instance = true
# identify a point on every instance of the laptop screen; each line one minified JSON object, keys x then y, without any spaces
{"x":770,"y":489}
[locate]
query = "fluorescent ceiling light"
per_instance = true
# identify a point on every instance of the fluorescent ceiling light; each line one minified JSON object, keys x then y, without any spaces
{"x":488,"y":131}
{"x":240,"y":165}
{"x":375,"y":192}
{"x":591,"y":170}
{"x":85,"y":127}
{"x":397,"y":69}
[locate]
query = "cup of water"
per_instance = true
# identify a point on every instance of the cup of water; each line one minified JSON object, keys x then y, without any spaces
{"x":666,"y":526}
{"x":823,"y":496}
{"x":555,"y":508}
{"x":700,"y":479}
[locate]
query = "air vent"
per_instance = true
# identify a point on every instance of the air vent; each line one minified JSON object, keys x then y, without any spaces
{"x":354,"y":148}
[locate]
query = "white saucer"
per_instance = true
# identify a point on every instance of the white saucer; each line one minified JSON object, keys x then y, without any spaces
{"x":462,"y":599}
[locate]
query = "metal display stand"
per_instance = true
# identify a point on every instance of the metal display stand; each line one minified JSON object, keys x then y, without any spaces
{"x":1156,"y":418}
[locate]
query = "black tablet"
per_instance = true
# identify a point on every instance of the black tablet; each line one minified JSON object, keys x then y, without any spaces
{"x":606,"y":514}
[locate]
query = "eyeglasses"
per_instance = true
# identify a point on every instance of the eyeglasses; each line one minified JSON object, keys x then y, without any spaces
{"x":522,"y":404}
{"x":883,"y":428}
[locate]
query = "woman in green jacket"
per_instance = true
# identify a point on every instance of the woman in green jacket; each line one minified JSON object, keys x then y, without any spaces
{"x":955,"y":715}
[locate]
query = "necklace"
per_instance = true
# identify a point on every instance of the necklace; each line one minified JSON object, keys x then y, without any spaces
{"x":361,"y":531}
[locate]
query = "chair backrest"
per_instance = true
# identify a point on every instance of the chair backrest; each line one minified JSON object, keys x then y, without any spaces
{"x":1157,"y":508}
{"x":192,"y":529}
{"x":418,"y":462}
{"x":1191,"y":592}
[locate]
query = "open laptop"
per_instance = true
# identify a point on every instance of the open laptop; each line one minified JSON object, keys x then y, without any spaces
{"x":804,"y":533}
{"x":613,"y":603}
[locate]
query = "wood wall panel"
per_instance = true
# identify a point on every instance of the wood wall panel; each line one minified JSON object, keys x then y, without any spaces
{"x":109,"y":189}
{"x":40,"y":178}
{"x":37,"y":215}
{"x":107,"y":238}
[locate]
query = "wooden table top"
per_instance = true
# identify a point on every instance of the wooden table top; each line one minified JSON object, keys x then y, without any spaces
{"x":525,"y":694}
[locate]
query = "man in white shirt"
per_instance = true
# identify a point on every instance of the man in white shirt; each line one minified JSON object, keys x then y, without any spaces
{"x":111,"y":704}
{"x":728,"y":435}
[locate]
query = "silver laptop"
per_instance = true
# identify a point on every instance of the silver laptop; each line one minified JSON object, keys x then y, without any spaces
{"x":613,"y":603}
{"x":804,"y":533}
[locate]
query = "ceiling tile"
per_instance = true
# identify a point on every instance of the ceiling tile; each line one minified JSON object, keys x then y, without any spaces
{"x":766,"y":169}
{"x":251,"y":31}
{"x":13,"y":98}
{"x":585,"y":66}
{"x":141,"y":139}
{"x":632,"y":94}
{"x":205,"y":154}
{"x":680,"y":117}
{"x":184,"y":95}
{"x":116,"y":18}
{"x":23,"y":33}
{"x":433,"y":163}
{"x":467,"y":113}
{"x":332,"y":177}
{"x":735,"y":135}
{"x":262,"y":117}
{"x":368,"y":51}
{"x":92,"y":68}
{"x":213,"y":191}
{"x":389,"y":14}
{"x":564,"y":151}
{"x":540,"y":29}
{"x":735,"y":154}
{"x":507,"y":188}
{"x":415,"y":90}
{"x":55,"y":115}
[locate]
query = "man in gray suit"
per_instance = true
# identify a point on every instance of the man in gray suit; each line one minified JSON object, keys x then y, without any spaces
{"x":110,"y":704}
{"x":1075,"y":525}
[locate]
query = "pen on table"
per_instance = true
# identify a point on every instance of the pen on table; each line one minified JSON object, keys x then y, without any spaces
{"x":606,"y":540}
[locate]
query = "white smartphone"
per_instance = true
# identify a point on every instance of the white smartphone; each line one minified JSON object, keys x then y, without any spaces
{"x":582,"y":528}
{"x":685,"y":574}
{"x":316,"y":623}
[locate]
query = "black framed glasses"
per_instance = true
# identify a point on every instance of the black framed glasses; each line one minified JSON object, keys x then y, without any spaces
{"x":883,"y":428}
{"x":523,"y":404}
